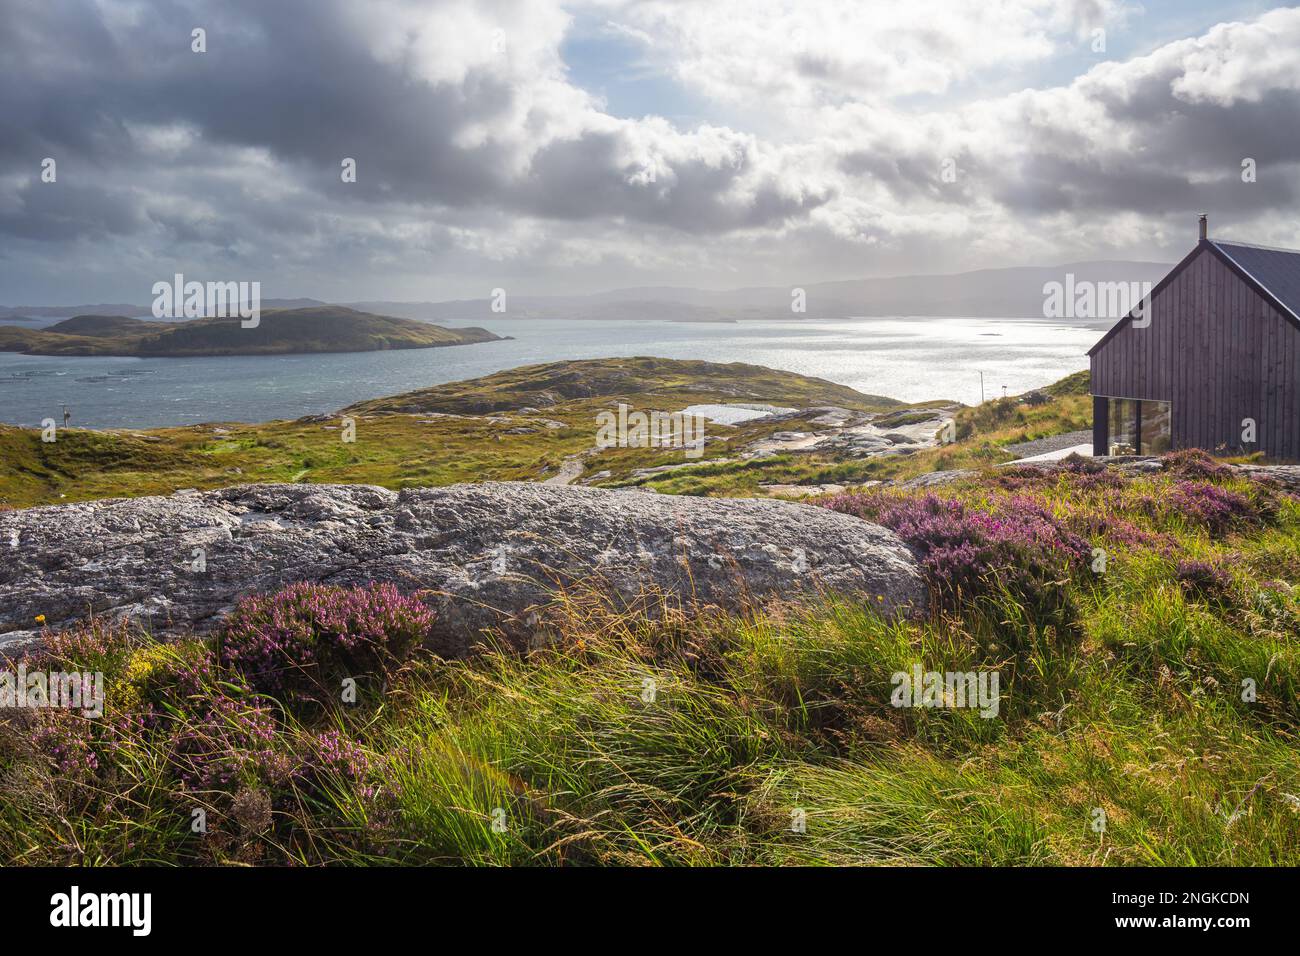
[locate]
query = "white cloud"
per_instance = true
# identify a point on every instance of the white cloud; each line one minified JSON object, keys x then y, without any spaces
{"x":766,"y":52}
{"x":1239,"y":62}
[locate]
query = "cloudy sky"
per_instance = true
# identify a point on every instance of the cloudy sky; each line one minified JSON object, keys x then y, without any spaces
{"x":546,"y":146}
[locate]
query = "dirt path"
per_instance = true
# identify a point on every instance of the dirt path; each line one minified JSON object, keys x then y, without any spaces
{"x":570,"y":471}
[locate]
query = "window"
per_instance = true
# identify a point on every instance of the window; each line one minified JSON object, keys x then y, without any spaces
{"x":1139,"y":428}
{"x":1154,"y":419}
{"x":1123,"y":427}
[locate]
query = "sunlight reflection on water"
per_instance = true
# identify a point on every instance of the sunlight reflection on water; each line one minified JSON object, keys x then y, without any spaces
{"x":910,"y":359}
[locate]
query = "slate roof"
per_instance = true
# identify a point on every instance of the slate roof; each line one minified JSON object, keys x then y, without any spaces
{"x":1273,"y":272}
{"x":1277,"y":270}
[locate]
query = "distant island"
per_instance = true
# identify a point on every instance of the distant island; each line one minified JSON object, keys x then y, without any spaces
{"x":324,"y":328}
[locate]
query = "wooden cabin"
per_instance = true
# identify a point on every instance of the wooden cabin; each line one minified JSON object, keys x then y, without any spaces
{"x":1210,"y":360}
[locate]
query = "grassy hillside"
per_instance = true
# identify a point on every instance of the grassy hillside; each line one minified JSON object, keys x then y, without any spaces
{"x":982,"y":434}
{"x":463,"y":431}
{"x":652,"y":379}
{"x":313,"y":329}
{"x":1148,"y":711}
{"x":1123,"y":734}
{"x":524,"y":424}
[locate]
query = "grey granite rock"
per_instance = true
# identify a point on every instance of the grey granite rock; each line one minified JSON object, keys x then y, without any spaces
{"x":490,"y":554}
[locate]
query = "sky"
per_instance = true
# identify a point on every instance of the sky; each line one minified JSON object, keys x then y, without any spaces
{"x":547,"y":147}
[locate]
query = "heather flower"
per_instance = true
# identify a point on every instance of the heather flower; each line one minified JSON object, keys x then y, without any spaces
{"x":1020,"y":478}
{"x":966,"y":554}
{"x":300,"y":642}
{"x":338,"y":758}
{"x":92,"y":646}
{"x":1076,"y":473}
{"x":1195,"y":464}
{"x":233,"y":746}
{"x":1204,"y":579}
{"x":336,"y":752}
{"x":158,"y":679}
{"x":1218,"y":509}
{"x":66,"y":739}
{"x":1085,"y":474}
{"x":1120,"y":534}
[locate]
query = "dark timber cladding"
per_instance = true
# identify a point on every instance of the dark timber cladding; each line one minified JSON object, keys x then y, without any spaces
{"x":1222,"y":346}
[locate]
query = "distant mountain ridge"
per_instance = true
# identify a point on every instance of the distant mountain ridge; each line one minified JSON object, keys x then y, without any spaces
{"x":994,"y":293}
{"x":1015,"y":292}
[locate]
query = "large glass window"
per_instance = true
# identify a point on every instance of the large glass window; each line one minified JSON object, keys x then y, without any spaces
{"x":1155,"y":428}
{"x":1123,"y":427}
{"x":1139,"y":428}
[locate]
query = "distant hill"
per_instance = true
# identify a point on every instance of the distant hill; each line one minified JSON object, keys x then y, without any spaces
{"x":670,"y":380}
{"x":101,"y":326}
{"x":993,"y":293}
{"x":988,"y":293}
{"x":313,"y":329}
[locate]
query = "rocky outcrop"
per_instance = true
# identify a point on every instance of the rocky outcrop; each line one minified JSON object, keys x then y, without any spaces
{"x":489,"y":554}
{"x":1287,"y":476}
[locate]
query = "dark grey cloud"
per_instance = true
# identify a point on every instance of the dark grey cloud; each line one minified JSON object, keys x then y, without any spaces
{"x":586,"y":178}
{"x":479,"y":166}
{"x":293,"y":78}
{"x":1177,"y":155}
{"x":61,"y":211}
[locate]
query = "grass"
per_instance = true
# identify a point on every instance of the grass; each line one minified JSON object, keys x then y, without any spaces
{"x":763,"y":737}
{"x":1168,"y":708}
{"x":982,"y":432}
{"x":500,"y":428}
{"x":495,"y":428}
